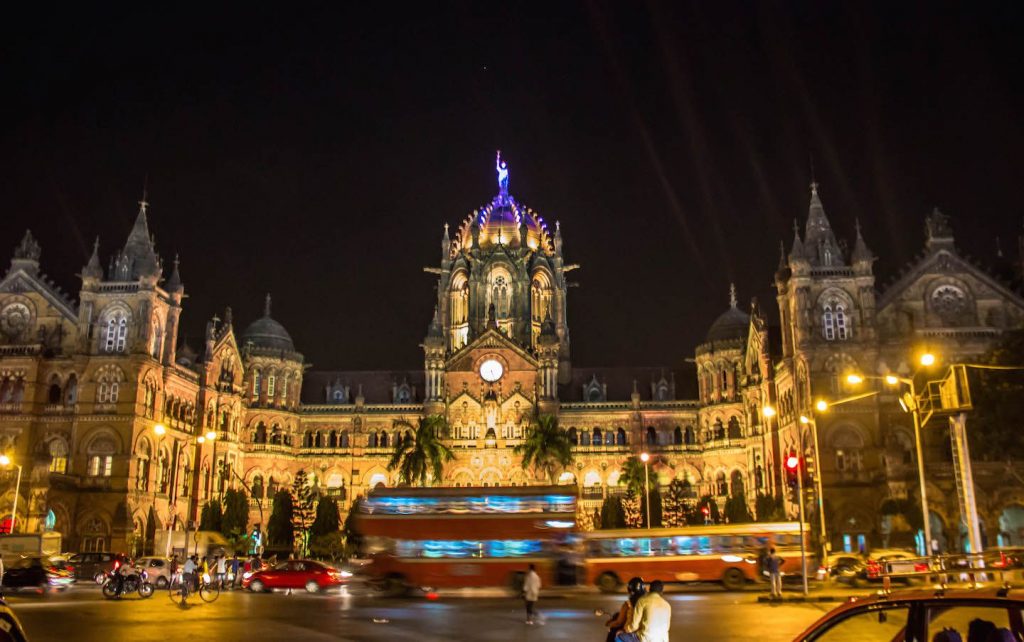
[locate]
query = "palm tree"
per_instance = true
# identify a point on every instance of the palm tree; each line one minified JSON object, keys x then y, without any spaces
{"x":632,"y":473}
{"x":546,"y":448}
{"x":421,"y":454}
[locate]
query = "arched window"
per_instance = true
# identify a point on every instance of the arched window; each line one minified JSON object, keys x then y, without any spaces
{"x":101,"y":457}
{"x":261,"y":433}
{"x":186,"y":478}
{"x":343,"y":443}
{"x":734,"y":428}
{"x":307,"y":440}
{"x":54,"y":394}
{"x":620,"y":437}
{"x":721,"y":485}
{"x":162,"y":472}
{"x":736,"y":483}
{"x":573,"y":437}
{"x":116,"y":331}
{"x":383,"y":441}
{"x":688,"y":437}
{"x":142,"y":455}
{"x":71,"y":390}
{"x":58,"y":449}
{"x":109,"y":385}
{"x":677,"y":436}
{"x":719,"y":429}
{"x":598,"y":437}
{"x":333,"y":439}
{"x":584,"y":437}
{"x":271,"y":383}
{"x":257,"y":379}
{"x":500,"y":297}
{"x":848,"y":445}
{"x":318,"y":440}
{"x":339,"y":395}
{"x":155,"y":340}
{"x":841,"y":326}
{"x":652,"y":436}
{"x":373,"y":439}
{"x":257,"y":486}
{"x":828,"y":328}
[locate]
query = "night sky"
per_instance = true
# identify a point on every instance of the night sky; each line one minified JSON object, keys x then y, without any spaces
{"x":317,"y":156}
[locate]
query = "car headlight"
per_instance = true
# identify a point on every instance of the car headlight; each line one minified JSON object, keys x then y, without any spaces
{"x":246,"y":575}
{"x":346,"y":574}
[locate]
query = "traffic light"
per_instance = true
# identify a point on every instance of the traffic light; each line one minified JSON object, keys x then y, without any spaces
{"x":792,"y":466}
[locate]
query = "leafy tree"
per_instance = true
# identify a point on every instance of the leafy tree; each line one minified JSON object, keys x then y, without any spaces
{"x":612,"y":514}
{"x":631,"y":508}
{"x":330,"y":545}
{"x":632,"y":475}
{"x":994,"y":425}
{"x":656,"y":507}
{"x":584,"y":518}
{"x":768,"y":508}
{"x":546,"y":448}
{"x":327,"y":520}
{"x":302,"y":498}
{"x":675,"y":504}
{"x":736,"y":511}
{"x":211,"y":517}
{"x":236,"y":512}
{"x":353,"y":538}
{"x":421,"y":456}
{"x":280,"y":529}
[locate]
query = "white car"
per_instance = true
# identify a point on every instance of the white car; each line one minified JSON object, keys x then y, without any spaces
{"x":157,"y":568}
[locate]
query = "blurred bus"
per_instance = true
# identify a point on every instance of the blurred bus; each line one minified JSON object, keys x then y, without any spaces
{"x":464,"y":536}
{"x":726,"y":553}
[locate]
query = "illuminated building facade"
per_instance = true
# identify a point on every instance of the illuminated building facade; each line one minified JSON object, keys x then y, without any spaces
{"x":83,"y":385}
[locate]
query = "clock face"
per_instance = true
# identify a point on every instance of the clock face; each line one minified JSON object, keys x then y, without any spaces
{"x":491,"y":370}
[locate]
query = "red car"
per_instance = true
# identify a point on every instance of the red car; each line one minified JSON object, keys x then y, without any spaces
{"x":307,"y":574}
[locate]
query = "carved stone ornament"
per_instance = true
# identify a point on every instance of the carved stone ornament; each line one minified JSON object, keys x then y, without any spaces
{"x":15,"y":320}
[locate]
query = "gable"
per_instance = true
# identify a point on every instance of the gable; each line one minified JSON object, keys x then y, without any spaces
{"x":945,"y":291}
{"x":21,"y":282}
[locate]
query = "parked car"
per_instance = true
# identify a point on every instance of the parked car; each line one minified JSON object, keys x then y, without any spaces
{"x":157,"y":568}
{"x":10,"y":626}
{"x":308,"y":574}
{"x":36,"y":572}
{"x":870,"y":568}
{"x":839,"y":565}
{"x":95,"y":566}
{"x":979,"y":614}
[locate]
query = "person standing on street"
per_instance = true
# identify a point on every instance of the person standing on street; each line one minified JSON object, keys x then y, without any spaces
{"x":651,"y":618}
{"x":531,"y":591}
{"x":773,"y":564}
{"x":222,"y":571}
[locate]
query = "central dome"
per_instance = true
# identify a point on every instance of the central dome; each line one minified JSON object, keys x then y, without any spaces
{"x":499,"y":222}
{"x":265,"y":332}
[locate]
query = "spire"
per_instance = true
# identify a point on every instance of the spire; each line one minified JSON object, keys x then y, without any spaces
{"x":266,"y":306}
{"x":819,"y":240}
{"x":782,"y":256}
{"x":93,"y":269}
{"x":26,"y":255}
{"x":558,"y":238}
{"x":139,"y":257}
{"x":732,"y":295}
{"x":174,"y":282}
{"x":797,"y":253}
{"x":434,"y":329}
{"x":938,"y":230}
{"x":861,"y":253}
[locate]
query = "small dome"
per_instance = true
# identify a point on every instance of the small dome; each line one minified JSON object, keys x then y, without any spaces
{"x":268,"y":333}
{"x":731,"y":324}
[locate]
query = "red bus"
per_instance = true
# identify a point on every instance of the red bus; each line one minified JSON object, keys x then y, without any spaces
{"x":465,"y":537}
{"x":727,"y":553}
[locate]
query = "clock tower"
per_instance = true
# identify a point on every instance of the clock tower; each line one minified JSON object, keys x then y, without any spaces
{"x":498,"y":344}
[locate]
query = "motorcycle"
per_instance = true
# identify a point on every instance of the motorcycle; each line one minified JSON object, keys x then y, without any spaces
{"x":132,"y":581}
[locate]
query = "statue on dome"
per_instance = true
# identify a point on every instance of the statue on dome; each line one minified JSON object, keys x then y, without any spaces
{"x":502,"y":168}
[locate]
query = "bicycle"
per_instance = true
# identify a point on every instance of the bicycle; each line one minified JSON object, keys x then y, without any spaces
{"x":179,"y":590}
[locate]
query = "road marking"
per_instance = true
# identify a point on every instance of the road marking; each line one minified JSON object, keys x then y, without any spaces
{"x":21,"y":606}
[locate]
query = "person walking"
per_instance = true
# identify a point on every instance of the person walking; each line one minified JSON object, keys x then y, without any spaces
{"x":235,"y":566}
{"x":773,"y":564}
{"x":635,"y":590}
{"x":651,"y":619}
{"x":222,"y":571}
{"x":531,"y":591}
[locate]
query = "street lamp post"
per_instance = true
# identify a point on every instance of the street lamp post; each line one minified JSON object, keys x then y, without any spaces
{"x":911,"y":403}
{"x":6,"y":461}
{"x":810,"y":421}
{"x":644,"y":457}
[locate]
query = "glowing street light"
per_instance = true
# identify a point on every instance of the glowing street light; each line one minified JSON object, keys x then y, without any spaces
{"x":821,"y":405}
{"x":645,"y":457}
{"x":854,"y":378}
{"x":5,"y":461}
{"x":211,"y":436}
{"x":927,"y":359}
{"x":892,"y":380}
{"x":768,"y":412}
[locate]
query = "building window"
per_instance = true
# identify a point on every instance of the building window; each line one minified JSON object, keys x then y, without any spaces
{"x":271,"y":381}
{"x":841,"y":327}
{"x":256,"y":378}
{"x":828,"y":327}
{"x":116,"y":332}
{"x":58,"y":456}
{"x":100,"y":465}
